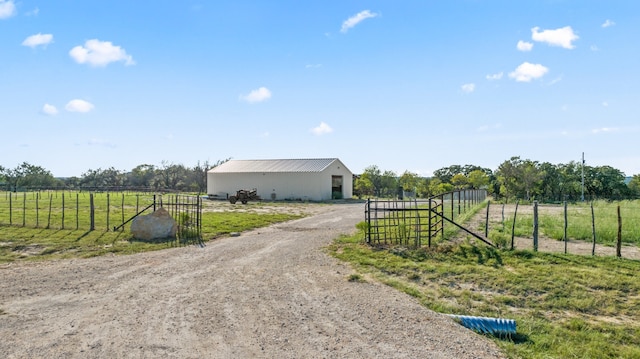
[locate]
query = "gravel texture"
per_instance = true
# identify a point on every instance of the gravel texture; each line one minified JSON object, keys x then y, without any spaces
{"x":270,"y":293}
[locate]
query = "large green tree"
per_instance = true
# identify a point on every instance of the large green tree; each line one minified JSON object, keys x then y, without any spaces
{"x":388,"y":184}
{"x":374,"y":174}
{"x":423,"y":189}
{"x":605,"y":182}
{"x":459,"y":181}
{"x":478,"y":179}
{"x":100,"y":178}
{"x":508,"y":177}
{"x":142,"y":176}
{"x":634,"y":186}
{"x":363,"y":186}
{"x":445,"y":174}
{"x":408,"y":181}
{"x":26,"y":175}
{"x":530,"y":177}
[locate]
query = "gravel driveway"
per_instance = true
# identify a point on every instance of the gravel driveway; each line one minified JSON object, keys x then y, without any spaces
{"x":270,"y":293}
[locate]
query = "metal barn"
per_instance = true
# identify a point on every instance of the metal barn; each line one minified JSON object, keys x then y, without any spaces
{"x":316,"y":179}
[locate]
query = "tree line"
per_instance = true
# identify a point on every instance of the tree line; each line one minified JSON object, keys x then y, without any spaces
{"x":166,"y":177}
{"x":515,"y":178}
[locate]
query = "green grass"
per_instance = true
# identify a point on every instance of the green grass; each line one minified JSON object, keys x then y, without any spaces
{"x":579,"y":221}
{"x":70,"y":209}
{"x":565,"y":306}
{"x":20,"y":243}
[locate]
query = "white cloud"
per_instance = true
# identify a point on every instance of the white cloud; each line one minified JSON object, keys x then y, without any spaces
{"x":493,"y":77}
{"x":38,"y":40}
{"x":485,"y":128}
{"x":7,"y":9}
{"x":259,"y":95}
{"x":594,"y":48}
{"x":79,"y":106}
{"x":605,"y":104}
{"x":562,"y":37}
{"x":555,"y":81}
{"x":100,"y":53}
{"x":468,"y":88}
{"x":527,"y":72}
{"x":33,"y":12}
{"x":608,"y":23}
{"x":605,"y":130}
{"x":100,"y":142}
{"x":356,"y":19}
{"x":524,"y":46}
{"x":322,"y":129}
{"x":49,"y":110}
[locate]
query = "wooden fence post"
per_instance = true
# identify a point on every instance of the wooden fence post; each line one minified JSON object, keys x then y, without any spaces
{"x":619,"y":244}
{"x":24,"y":209}
{"x":62,"y":209}
{"x":565,"y":227}
{"x":92,"y":213}
{"x":486,"y":223}
{"x":37,"y":210}
{"x":123,"y":210}
{"x":593,"y":229}
{"x":108,"y":209}
{"x":535,"y":226}
{"x":49,"y":215}
{"x":513,"y":225}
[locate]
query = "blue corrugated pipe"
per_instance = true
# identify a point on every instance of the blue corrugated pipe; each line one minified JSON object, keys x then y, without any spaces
{"x":493,"y":326}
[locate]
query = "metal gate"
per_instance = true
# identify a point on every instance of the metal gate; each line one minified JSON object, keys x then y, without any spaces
{"x":410,"y":223}
{"x":185,"y":210}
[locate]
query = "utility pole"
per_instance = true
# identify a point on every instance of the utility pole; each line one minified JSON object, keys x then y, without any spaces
{"x":582,"y":177}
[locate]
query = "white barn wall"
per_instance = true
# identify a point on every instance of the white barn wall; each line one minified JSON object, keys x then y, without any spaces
{"x":284,"y":185}
{"x":314,"y":186}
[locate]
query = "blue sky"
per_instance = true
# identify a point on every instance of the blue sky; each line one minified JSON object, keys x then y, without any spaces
{"x":404,"y":85}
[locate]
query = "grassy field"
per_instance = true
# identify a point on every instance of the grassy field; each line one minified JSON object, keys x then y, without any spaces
{"x":565,"y":306}
{"x":579,"y":221}
{"x":70,"y":209}
{"x":34,"y":241}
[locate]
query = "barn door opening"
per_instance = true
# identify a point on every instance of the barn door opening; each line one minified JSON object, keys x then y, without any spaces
{"x":336,"y":187}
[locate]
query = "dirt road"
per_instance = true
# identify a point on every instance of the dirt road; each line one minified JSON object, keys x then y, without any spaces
{"x":270,"y":293}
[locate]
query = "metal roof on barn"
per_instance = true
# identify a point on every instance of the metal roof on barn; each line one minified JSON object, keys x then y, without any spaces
{"x":274,"y":166}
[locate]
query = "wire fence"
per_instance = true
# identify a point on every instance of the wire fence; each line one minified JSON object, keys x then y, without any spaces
{"x":107,"y":211}
{"x":590,"y":228}
{"x":596,"y":228}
